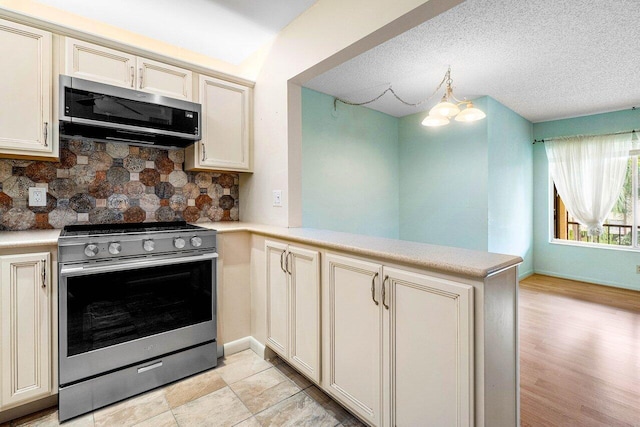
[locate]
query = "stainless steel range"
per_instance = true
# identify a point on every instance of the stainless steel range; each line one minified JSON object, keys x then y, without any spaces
{"x":137,"y":309}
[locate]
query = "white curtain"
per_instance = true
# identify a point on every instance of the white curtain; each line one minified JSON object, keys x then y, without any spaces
{"x":589,"y":172}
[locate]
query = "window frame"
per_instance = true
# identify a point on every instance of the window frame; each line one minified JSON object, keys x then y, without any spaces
{"x":635,"y":244}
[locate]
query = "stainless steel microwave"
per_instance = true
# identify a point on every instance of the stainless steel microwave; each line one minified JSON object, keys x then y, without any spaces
{"x":115,"y":114}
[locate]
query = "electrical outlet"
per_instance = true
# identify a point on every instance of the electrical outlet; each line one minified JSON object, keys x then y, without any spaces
{"x":37,"y":196}
{"x":638,"y":269}
{"x":277,"y":198}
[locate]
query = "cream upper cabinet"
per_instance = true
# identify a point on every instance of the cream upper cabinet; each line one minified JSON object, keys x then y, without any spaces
{"x":26,"y":91}
{"x":98,"y":63}
{"x":164,"y":79}
{"x":293,"y":305}
{"x":429,"y":350}
{"x":226,"y":138}
{"x":25,"y":323}
{"x":352,"y":334}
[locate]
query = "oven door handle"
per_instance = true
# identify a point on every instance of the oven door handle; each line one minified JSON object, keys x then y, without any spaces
{"x":77,"y":271}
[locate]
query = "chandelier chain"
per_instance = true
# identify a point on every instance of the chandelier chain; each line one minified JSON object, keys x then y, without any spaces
{"x":390,"y":89}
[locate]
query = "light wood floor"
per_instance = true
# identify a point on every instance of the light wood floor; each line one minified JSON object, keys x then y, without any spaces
{"x":579,"y":354}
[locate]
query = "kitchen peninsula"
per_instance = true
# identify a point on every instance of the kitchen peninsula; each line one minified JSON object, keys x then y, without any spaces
{"x":393,"y":330}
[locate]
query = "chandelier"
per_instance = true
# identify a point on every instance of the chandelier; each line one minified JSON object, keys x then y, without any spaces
{"x":439,"y":115}
{"x":446,"y":109}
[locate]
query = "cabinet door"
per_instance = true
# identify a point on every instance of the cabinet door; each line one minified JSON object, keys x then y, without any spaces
{"x":352,"y":335}
{"x":101,"y":64}
{"x":164,"y":79}
{"x":25,"y":322}
{"x":277,"y":298}
{"x":225,"y":127}
{"x":25,"y":90}
{"x":304,"y":350}
{"x":430,"y":324}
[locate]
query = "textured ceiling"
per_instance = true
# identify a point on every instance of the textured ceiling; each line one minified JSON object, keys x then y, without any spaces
{"x":544,"y":59}
{"x":230,"y":30}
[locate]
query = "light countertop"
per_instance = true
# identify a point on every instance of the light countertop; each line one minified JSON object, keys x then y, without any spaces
{"x":476,"y":264}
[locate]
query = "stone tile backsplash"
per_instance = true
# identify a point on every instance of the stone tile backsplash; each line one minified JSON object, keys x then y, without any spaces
{"x":97,"y":183}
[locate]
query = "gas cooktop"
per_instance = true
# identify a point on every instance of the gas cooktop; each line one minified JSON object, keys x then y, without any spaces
{"x":139,"y":227}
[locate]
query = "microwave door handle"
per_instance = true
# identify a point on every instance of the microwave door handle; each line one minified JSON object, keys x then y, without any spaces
{"x":75,"y":270}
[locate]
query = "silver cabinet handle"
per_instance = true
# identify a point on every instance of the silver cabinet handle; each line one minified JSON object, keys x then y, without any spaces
{"x":281,"y":261}
{"x":287,"y":263}
{"x":373,"y":288}
{"x":133,"y":78}
{"x":43,"y":273}
{"x":203,"y":152}
{"x":384,"y":293}
{"x":46,"y":133}
{"x":140,"y":71}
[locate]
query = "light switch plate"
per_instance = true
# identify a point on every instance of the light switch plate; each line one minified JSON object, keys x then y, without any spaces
{"x":277,"y":197}
{"x":37,"y":196}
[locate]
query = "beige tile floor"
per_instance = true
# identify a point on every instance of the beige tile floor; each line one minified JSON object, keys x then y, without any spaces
{"x":244,"y":391}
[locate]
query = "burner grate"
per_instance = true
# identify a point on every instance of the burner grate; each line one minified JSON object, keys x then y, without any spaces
{"x":148,"y":227}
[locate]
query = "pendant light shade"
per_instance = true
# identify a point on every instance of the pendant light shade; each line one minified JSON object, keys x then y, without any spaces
{"x":433,"y":121}
{"x":444,"y":109}
{"x":470,"y":114}
{"x":448,"y":108}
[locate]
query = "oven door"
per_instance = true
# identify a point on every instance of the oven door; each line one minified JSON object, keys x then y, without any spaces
{"x":115,"y":315}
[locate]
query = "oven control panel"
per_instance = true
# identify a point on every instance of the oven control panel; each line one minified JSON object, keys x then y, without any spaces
{"x":120,"y":246}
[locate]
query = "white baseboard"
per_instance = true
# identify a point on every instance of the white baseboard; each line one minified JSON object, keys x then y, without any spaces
{"x":587,"y":279}
{"x":257,"y":347}
{"x":242,"y":344}
{"x":525,"y":274}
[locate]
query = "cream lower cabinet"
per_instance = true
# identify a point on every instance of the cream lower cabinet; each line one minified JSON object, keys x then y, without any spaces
{"x":352,"y":335}
{"x":102,"y":64}
{"x":428,"y":356}
{"x":25,"y":91}
{"x":397,"y":345}
{"x":226,"y":137}
{"x":293,"y":305}
{"x":25,"y":324}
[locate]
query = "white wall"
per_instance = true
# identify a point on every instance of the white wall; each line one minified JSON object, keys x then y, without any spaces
{"x":329,"y":33}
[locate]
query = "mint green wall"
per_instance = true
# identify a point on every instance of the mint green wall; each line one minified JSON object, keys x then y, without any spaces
{"x":510,"y":184}
{"x":443,"y":182}
{"x":467,"y":185}
{"x":349,"y":168}
{"x":596,"y":265}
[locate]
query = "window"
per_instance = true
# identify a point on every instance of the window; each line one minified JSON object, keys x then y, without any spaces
{"x":621,"y":226}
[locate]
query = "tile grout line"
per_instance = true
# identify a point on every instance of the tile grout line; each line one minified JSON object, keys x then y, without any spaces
{"x":245,"y":406}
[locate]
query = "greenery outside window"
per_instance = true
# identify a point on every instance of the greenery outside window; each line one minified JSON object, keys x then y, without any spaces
{"x":621,"y":226}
